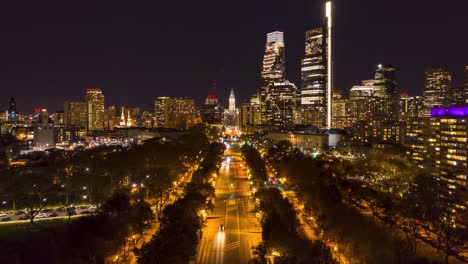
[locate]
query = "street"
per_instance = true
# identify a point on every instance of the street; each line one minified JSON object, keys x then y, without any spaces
{"x":234,"y":207}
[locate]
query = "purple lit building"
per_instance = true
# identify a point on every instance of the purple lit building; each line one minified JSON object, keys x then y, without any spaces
{"x":447,"y":145}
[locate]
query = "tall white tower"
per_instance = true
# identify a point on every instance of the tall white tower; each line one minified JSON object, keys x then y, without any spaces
{"x":232,"y":102}
{"x":328,"y":14}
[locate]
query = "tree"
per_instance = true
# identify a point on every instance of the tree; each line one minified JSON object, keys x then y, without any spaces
{"x":141,"y":216}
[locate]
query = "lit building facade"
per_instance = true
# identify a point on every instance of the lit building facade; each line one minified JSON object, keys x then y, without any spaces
{"x":448,"y":150}
{"x":75,"y":114}
{"x":458,"y":95}
{"x":231,"y":113}
{"x":314,"y":78}
{"x":437,"y":84}
{"x":273,"y":70}
{"x":282,"y":105}
{"x":212,"y":112}
{"x":44,"y":131}
{"x":411,"y":107}
{"x":174,"y":112}
{"x":95,"y":109}
{"x":340,"y":111}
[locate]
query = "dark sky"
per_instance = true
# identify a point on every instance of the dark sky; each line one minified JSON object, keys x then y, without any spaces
{"x":136,"y":50}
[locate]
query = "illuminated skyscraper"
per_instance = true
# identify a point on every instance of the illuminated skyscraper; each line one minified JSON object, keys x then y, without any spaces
{"x":273,"y":60}
{"x":273,"y":70}
{"x":283,"y":103}
{"x":314,"y":78}
{"x":437,"y":83}
{"x":95,"y":109}
{"x":75,"y":114}
{"x":447,"y":147}
{"x":317,"y":74}
{"x":232,"y":102}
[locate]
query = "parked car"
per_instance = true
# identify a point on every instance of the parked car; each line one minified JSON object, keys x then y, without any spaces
{"x":19,"y":212}
{"x":41,"y":215}
{"x":2,"y":214}
{"x":71,"y":212}
{"x":5,"y":219}
{"x":53,"y":215}
{"x":24,"y":217}
{"x":47,"y":210}
{"x":60,"y":209}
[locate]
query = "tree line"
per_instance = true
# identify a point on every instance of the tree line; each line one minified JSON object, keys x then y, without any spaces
{"x":181,"y":222}
{"x":381,"y":192}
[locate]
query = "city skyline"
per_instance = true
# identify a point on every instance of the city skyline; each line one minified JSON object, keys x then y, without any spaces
{"x":123,"y":55}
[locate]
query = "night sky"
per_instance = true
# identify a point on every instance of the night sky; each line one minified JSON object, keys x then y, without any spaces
{"x":137,"y":50}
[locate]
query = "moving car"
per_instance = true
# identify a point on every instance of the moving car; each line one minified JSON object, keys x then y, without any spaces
{"x":221,"y":227}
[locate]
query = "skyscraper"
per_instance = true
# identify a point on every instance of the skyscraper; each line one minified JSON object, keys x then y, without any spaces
{"x":273,"y":70}
{"x":232,"y":102}
{"x":75,"y":114}
{"x":282,"y":105}
{"x":212,"y":112}
{"x":437,"y":83}
{"x":385,"y":93}
{"x":273,"y":60}
{"x":231,"y":113}
{"x":12,"y":114}
{"x":95,"y":109}
{"x":317,"y":74}
{"x":314,"y":78}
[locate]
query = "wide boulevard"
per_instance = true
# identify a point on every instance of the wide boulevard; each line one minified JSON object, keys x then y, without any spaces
{"x":234,"y":207}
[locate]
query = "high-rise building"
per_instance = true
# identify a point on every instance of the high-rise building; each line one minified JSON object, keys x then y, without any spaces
{"x":255,"y":111}
{"x":59,"y":118}
{"x":12,"y":115}
{"x":95,"y":109}
{"x":448,"y":152}
{"x":273,"y":61}
{"x":411,"y":107}
{"x":212,"y":112}
{"x":458,"y":96}
{"x":75,"y":114}
{"x":437,"y":84}
{"x":232,"y":102}
{"x":231,"y":114}
{"x":317,"y":74}
{"x":174,"y":112}
{"x":273,"y":70}
{"x":385,"y":93}
{"x":282,"y":104}
{"x":44,"y":131}
{"x":340,"y":110}
{"x":314,"y":78}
